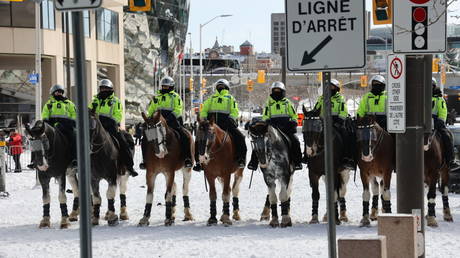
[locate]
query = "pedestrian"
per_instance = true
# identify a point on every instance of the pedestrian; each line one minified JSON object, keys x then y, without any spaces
{"x":3,"y":192}
{"x":15,"y":146}
{"x":138,"y":133}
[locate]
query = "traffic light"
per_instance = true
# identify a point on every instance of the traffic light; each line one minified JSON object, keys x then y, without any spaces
{"x":261,"y":76}
{"x":382,"y":12}
{"x":140,"y":5}
{"x":419,"y":27}
{"x":436,"y":62}
{"x":364,"y":81}
{"x":203,"y":83}
{"x":191,"y":84}
{"x":319,"y":76}
{"x":250,"y":85}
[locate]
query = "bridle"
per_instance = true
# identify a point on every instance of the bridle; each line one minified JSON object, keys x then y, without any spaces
{"x":260,"y":146}
{"x":206,"y":140}
{"x":315,"y":125}
{"x":378,"y":140}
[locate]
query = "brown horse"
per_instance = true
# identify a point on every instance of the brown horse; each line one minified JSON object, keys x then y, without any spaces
{"x":436,"y":167}
{"x":216,"y":153}
{"x":376,"y":159}
{"x":162,"y":154}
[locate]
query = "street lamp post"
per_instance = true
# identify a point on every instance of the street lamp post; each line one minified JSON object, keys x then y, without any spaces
{"x":201,"y":53}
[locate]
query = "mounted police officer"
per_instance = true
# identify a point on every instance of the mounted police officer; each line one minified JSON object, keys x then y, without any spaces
{"x":439,"y":114}
{"x":169,"y":103}
{"x":280,"y":113}
{"x":110,"y":111}
{"x":60,"y":112}
{"x":375,"y":101}
{"x":339,"y":113}
{"x":222,"y":107}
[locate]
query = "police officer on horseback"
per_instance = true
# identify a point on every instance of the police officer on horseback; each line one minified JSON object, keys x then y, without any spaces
{"x":280,"y":113}
{"x":110,"y":111}
{"x":169,"y":103}
{"x":60,"y":112}
{"x":339,"y":117}
{"x":439,"y":114}
{"x":375,"y":102}
{"x":223,"y":108}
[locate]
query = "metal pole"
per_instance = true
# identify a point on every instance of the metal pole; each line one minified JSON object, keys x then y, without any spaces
{"x":67,"y":53}
{"x":82,"y":135}
{"x":283,"y":65}
{"x":409,"y":145}
{"x":180,"y":79}
{"x":38,"y":62}
{"x":201,"y":68}
{"x":192,"y":90}
{"x":329,"y":164}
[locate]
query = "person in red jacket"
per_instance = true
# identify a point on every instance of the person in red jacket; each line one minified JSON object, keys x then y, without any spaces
{"x":15,"y":145}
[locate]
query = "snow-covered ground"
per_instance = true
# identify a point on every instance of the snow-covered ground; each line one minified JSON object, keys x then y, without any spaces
{"x":21,"y":213}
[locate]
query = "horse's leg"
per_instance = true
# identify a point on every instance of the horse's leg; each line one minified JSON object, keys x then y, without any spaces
{"x":431,"y":196}
{"x":375,"y":187}
{"x":45,"y":183}
{"x":112,"y":218}
{"x":386,"y":196}
{"x":366,"y":197}
{"x":343,"y":191}
{"x":63,"y":202}
{"x":96,"y":201}
{"x":212,"y":197}
{"x":173,"y":201}
{"x":314,"y":184}
{"x":235,"y":192}
{"x":187,"y":175}
{"x":225,"y":218}
{"x":123,"y":186}
{"x":150,"y":180}
{"x":266,"y":211}
{"x":72,"y":177}
{"x":168,"y":198}
{"x":445,"y":198}
{"x":285,"y":193}
{"x":273,"y":204}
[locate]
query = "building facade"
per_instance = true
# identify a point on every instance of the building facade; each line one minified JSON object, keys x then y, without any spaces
{"x":278,"y":32}
{"x":104,"y":37}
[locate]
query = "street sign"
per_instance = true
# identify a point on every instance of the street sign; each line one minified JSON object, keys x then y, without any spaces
{"x":33,"y":78}
{"x":396,"y":109}
{"x":74,"y":5}
{"x":325,"y":35}
{"x":419,"y":26}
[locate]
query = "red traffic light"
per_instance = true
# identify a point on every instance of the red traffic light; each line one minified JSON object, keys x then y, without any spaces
{"x":419,"y":14}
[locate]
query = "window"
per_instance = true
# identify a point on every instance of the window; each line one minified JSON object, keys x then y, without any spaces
{"x":107,"y":25}
{"x":47,"y":9}
{"x":86,"y":23}
{"x":276,"y":23}
{"x":23,"y":14}
{"x":5,"y":14}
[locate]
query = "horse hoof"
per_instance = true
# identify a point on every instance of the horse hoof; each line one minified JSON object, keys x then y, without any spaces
{"x":64,"y":222}
{"x":431,"y":221}
{"x":112,"y":218}
{"x":343,"y":218}
{"x":286,"y":222}
{"x":365,"y":222}
{"x":212,"y":221}
{"x":124,"y":214}
{"x":338,"y":222}
{"x":106,"y":216}
{"x":225,"y":219}
{"x":264,"y":218}
{"x":187,"y":215}
{"x":448,"y":215}
{"x":74,"y":216}
{"x":325,"y":217}
{"x":314,"y":220}
{"x":95,"y":221}
{"x":236,"y":215}
{"x":169,"y":222}
{"x":274,"y":223}
{"x":45,"y":222}
{"x":144,"y":222}
{"x":374,"y":214}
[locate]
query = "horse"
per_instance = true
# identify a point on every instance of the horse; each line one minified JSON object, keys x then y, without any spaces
{"x":52,"y":157}
{"x":313,"y":133}
{"x":216,"y":154}
{"x":162,"y":154}
{"x":106,"y":164}
{"x":376,"y":160}
{"x":435,"y":168}
{"x":272,"y":150}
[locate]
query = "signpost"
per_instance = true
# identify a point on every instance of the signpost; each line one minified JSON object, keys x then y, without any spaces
{"x":33,"y":78}
{"x":325,"y":35}
{"x":396,"y":109}
{"x":419,"y":26}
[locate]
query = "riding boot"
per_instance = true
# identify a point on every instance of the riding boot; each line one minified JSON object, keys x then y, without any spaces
{"x":127,"y":155}
{"x":143,"y":143}
{"x":240,"y":146}
{"x":348,"y":161}
{"x":197,"y":166}
{"x":254,"y":162}
{"x":185,"y":146}
{"x":296,"y":153}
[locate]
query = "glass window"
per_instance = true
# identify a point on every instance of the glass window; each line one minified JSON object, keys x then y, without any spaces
{"x":5,"y":14}
{"x":47,"y":11}
{"x":86,"y":23}
{"x":23,"y":14}
{"x":107,"y":25}
{"x":276,"y":23}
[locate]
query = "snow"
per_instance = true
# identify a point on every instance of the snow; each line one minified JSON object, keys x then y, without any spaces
{"x":21,"y":213}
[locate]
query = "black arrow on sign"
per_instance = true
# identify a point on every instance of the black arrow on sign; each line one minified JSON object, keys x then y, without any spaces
{"x":308,"y":58}
{"x":60,"y":1}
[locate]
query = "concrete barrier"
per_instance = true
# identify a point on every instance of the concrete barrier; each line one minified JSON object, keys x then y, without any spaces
{"x":400,"y":231}
{"x":375,"y":247}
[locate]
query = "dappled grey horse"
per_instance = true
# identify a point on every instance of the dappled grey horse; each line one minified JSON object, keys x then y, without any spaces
{"x":272,"y":150}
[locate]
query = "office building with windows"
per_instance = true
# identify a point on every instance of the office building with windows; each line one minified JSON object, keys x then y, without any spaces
{"x":278,"y":32}
{"x":104,"y":38}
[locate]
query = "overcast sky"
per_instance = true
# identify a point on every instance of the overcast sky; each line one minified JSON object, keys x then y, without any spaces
{"x":250,"y":21}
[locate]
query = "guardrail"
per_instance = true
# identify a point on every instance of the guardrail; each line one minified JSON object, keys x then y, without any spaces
{"x":24,"y":159}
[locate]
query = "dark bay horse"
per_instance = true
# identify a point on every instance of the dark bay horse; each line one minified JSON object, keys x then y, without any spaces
{"x":313,"y":134}
{"x":106,"y":164}
{"x":162,"y":154}
{"x":435,"y":168}
{"x":376,"y":160}
{"x":52,"y":158}
{"x":216,"y":154}
{"x":272,"y":151}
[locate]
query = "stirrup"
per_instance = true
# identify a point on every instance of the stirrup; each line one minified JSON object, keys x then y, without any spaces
{"x":132,"y":172}
{"x":188,"y":163}
{"x":142,"y":165}
{"x":252,"y":165}
{"x":197,"y":167}
{"x":298,"y":166}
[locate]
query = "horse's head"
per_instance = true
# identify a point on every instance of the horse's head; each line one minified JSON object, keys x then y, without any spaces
{"x":312,"y":130}
{"x":259,"y":136}
{"x":155,"y":133}
{"x":366,"y":133}
{"x":39,"y":144}
{"x":205,"y":138}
